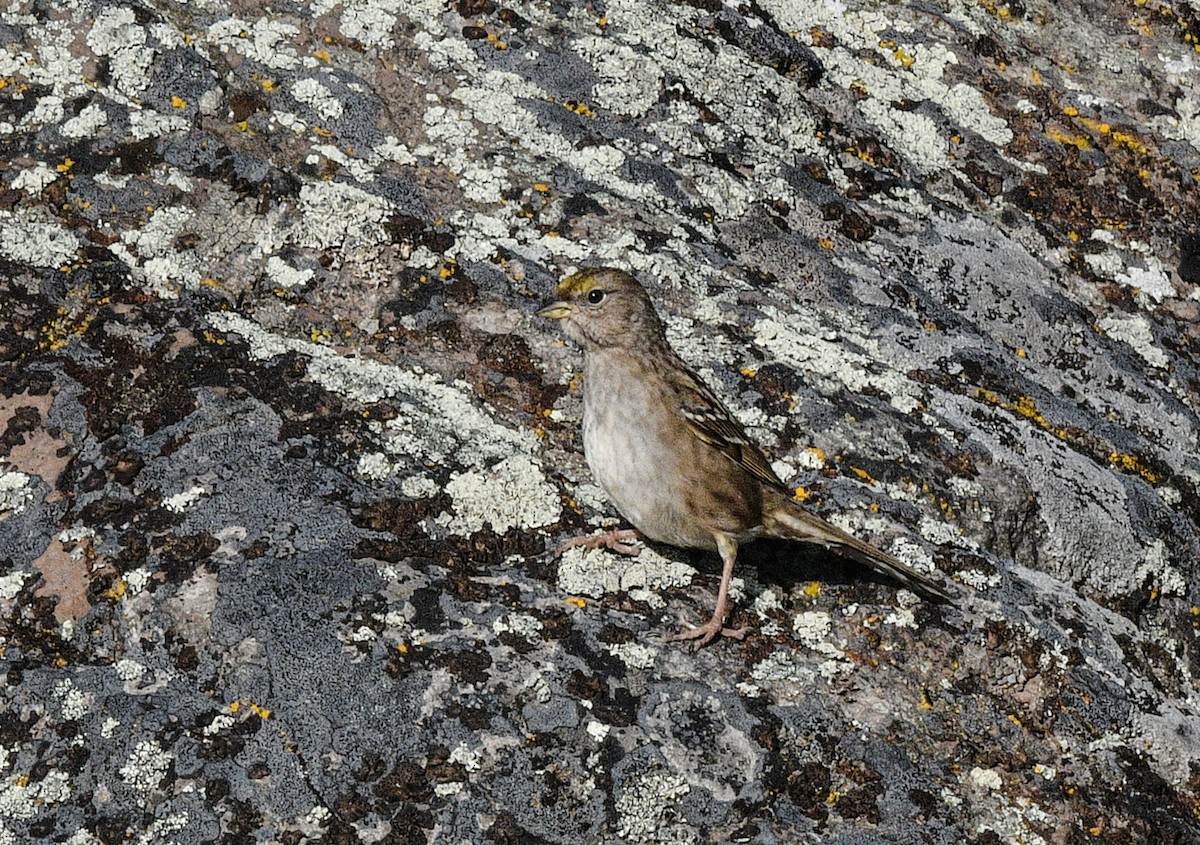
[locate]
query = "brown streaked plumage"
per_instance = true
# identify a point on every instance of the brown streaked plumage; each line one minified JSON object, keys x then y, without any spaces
{"x":667,"y":452}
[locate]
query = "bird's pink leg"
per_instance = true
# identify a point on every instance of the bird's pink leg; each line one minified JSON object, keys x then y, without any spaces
{"x":618,"y":540}
{"x":704,"y":634}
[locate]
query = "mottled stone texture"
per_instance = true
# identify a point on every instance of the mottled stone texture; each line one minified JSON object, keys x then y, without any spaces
{"x":283,"y":451}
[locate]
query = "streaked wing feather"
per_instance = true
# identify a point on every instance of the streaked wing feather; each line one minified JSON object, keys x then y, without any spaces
{"x":709,"y":420}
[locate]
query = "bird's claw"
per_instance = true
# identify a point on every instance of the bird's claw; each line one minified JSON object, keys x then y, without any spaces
{"x":616,"y":540}
{"x":704,"y":634}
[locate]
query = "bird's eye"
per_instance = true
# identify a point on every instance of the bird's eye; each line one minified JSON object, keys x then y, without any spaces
{"x":595,"y":296}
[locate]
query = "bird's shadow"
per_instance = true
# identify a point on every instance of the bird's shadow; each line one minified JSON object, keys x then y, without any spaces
{"x":789,"y":563}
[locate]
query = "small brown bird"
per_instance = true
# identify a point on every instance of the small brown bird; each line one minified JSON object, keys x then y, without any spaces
{"x":670,"y":455}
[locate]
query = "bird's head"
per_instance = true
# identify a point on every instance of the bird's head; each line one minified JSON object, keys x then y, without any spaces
{"x":604,"y":308}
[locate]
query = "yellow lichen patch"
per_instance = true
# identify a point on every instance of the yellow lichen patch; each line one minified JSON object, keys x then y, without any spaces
{"x":323,"y":55}
{"x":1025,"y":407}
{"x":1131,"y":463}
{"x":178,"y":102}
{"x":859,"y":152}
{"x":812,"y":589}
{"x":1068,"y":140}
{"x":1097,"y":126}
{"x":826,"y":243}
{"x":1020,"y":352}
{"x":923,"y":703}
{"x":261,"y":712}
{"x":1070,"y":111}
{"x":576,"y":601}
{"x":800,"y":494}
{"x":116,"y":591}
{"x":1130,"y":143}
{"x":578,"y":108}
{"x":65,"y":165}
{"x":541,"y":187}
{"x":863,"y":474}
{"x":268,"y":85}
{"x":1000,"y":11}
{"x":749,"y":372}
{"x":58,"y":332}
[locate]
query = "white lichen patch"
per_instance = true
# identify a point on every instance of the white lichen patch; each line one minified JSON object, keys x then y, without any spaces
{"x":146,"y":765}
{"x":633,"y":655}
{"x":597,"y":572}
{"x":11,"y":584}
{"x":521,"y":624}
{"x":1151,"y":281}
{"x":813,"y":628}
{"x":151,"y":123}
{"x":368,"y":21}
{"x":116,"y":35}
{"x":334,"y":214}
{"x":642,"y":804}
{"x":470,"y":759}
{"x":73,"y":702}
{"x":419,"y":487}
{"x":22,"y":800}
{"x":1134,"y":330}
{"x":87,"y":123}
{"x":129,"y":670}
{"x":15,"y":490}
{"x":629,"y":81}
{"x":32,"y":180}
{"x":903,"y":616}
{"x":285,"y":276}
{"x":829,"y":363}
{"x":911,"y":69}
{"x":27,"y":238}
{"x":151,"y":252}
{"x":513,"y":493}
{"x":987,"y":779}
{"x":314,"y":94}
{"x":185,"y":499}
{"x":1157,"y":569}
{"x":437,"y":422}
{"x":598,"y":730}
{"x":266,"y":41}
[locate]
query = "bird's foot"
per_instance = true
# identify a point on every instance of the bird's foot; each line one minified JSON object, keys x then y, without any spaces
{"x":704,"y":634}
{"x":619,"y":540}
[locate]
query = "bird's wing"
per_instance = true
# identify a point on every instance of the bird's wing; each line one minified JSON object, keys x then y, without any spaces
{"x":709,"y":420}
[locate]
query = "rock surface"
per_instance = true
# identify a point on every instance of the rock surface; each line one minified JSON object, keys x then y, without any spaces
{"x":283,"y":450}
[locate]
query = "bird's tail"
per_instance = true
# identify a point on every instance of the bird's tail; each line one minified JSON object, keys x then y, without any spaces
{"x":788,"y":521}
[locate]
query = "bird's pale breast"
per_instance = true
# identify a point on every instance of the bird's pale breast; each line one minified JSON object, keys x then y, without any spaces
{"x":642,"y":453}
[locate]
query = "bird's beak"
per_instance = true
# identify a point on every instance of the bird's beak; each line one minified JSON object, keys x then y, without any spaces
{"x":555,"y":311}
